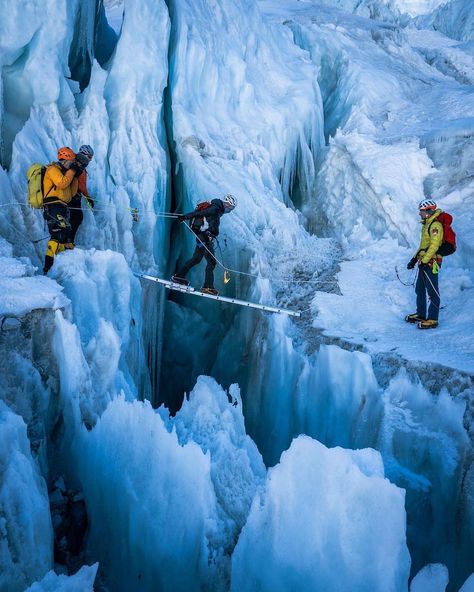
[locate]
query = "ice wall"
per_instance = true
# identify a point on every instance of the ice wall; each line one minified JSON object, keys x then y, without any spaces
{"x":212,"y":418}
{"x":454,"y":18}
{"x":97,"y":341}
{"x":334,"y":397}
{"x":434,"y":578}
{"x":306,"y":532}
{"x":82,"y":581}
{"x":236,"y":130}
{"x":26,"y":538}
{"x":170,"y":495}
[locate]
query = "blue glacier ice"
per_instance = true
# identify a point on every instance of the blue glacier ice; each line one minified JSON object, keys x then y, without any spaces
{"x":215,"y":448}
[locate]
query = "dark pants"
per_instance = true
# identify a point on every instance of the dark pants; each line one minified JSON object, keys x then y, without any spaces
{"x":201,"y":251}
{"x":427,"y":284}
{"x":76,"y":216}
{"x":57,"y":219}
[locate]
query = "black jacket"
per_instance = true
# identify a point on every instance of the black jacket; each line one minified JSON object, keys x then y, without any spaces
{"x":207,"y":219}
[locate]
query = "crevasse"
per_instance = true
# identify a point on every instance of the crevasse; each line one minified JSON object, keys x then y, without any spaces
{"x":193,"y":100}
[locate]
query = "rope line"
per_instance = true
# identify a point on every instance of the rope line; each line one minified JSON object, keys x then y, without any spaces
{"x":174,"y":215}
{"x":413,"y":275}
{"x":253,"y":275}
{"x":103,"y":209}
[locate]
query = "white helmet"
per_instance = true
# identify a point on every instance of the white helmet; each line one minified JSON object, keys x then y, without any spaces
{"x":427,"y":204}
{"x":230,"y":199}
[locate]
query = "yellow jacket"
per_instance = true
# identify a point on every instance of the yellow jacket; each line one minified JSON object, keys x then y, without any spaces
{"x":59,"y":187}
{"x":431,"y":238}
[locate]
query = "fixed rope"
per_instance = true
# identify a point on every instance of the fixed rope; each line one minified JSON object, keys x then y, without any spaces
{"x":173,"y":215}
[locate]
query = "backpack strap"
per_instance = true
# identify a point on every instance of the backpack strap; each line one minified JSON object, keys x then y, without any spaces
{"x":53,"y":186}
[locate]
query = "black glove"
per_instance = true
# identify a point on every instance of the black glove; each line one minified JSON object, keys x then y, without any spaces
{"x":181,"y":217}
{"x":411,"y":264}
{"x":82,"y":160}
{"x":77,"y":168}
{"x":210,"y":237}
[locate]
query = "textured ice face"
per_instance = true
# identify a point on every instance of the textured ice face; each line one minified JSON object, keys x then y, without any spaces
{"x":82,"y":581}
{"x":246,"y":114}
{"x":432,"y":578}
{"x":307,"y":532}
{"x":26,"y":537}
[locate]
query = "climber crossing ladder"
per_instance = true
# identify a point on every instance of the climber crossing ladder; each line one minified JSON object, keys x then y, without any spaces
{"x":190,"y":290}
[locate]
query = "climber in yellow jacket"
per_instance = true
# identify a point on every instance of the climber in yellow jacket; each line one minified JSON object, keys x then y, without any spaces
{"x":60,"y":184}
{"x":429,"y":263}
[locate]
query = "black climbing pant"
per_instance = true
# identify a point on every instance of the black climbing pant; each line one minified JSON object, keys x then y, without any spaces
{"x":57,"y":219}
{"x":204,"y":248}
{"x":76,"y":216}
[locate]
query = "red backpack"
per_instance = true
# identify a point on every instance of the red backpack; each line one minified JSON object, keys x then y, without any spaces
{"x":448,"y":245}
{"x":198,"y":221}
{"x":203,"y":205}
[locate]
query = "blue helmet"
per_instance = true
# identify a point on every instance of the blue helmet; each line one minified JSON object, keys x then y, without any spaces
{"x":87,"y":151}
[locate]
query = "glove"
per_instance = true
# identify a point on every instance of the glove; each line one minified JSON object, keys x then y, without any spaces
{"x":82,"y":160}
{"x":411,"y":264}
{"x":77,"y":168}
{"x":181,"y":217}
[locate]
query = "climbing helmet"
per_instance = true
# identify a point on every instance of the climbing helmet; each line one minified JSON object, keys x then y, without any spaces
{"x":65,"y":153}
{"x":230,"y":200}
{"x":87,"y":151}
{"x":427,"y":204}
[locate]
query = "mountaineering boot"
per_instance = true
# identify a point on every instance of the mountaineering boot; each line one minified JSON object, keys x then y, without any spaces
{"x":48,"y":263}
{"x":206,"y":290}
{"x":428,"y":324}
{"x":179,"y":280}
{"x":414,"y":318}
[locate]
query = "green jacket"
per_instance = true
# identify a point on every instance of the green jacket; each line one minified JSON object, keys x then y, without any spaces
{"x":431,"y":238}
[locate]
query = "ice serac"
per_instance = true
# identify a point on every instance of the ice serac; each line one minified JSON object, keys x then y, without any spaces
{"x":119,"y":114}
{"x":454,"y":18}
{"x":468,"y":585}
{"x":432,"y":578}
{"x":98,"y":340}
{"x":150,"y":498}
{"x":169,"y":493}
{"x":82,"y":581}
{"x":26,"y":534}
{"x":213,"y":419}
{"x":307,"y":532}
